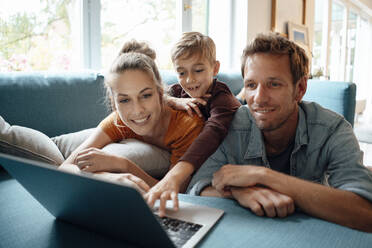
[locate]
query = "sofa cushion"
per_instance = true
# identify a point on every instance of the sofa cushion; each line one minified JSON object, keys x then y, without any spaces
{"x":28,"y":143}
{"x":151,"y":159}
{"x":53,"y":103}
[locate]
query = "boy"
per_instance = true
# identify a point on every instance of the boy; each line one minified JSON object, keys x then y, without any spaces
{"x":194,"y":59}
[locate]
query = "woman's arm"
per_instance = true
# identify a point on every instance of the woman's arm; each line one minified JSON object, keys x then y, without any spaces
{"x":97,"y":139}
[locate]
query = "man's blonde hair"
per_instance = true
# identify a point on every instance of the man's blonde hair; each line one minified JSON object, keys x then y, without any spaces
{"x":275,"y":44}
{"x":192,"y":43}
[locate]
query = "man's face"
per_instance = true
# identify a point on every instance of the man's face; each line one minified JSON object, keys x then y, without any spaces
{"x":270,"y":93}
{"x":195,"y":74}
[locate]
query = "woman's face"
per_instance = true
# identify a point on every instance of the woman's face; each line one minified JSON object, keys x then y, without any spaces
{"x":137,"y":101}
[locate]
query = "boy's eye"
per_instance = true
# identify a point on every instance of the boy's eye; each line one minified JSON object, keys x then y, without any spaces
{"x":181,"y":73}
{"x":274,"y":84}
{"x":199,"y":70}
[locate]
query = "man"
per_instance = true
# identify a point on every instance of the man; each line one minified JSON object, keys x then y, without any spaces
{"x":283,"y":153}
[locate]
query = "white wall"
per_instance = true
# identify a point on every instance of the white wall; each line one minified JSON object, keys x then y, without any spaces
{"x":259,"y":17}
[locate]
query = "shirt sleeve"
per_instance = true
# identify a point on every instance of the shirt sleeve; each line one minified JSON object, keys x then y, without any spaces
{"x":203,"y":177}
{"x":345,"y":168}
{"x":222,"y":110}
{"x":116,"y":129}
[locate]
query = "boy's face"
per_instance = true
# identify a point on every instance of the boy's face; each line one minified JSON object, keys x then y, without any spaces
{"x":195,"y":74}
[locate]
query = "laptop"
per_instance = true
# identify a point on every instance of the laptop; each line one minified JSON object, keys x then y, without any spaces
{"x":109,"y":208}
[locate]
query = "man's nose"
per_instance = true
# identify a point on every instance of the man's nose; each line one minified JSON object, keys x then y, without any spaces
{"x":261,"y":95}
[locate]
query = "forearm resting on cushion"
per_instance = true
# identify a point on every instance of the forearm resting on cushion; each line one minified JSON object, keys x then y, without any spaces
{"x":335,"y":205}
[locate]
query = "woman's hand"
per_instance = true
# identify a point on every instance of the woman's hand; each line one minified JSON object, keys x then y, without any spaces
{"x":96,"y":160}
{"x":69,"y":168}
{"x":188,"y":104}
{"x":126,"y":179}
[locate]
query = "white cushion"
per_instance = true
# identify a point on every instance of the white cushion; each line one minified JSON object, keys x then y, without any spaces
{"x":28,"y":143}
{"x":152,"y":159}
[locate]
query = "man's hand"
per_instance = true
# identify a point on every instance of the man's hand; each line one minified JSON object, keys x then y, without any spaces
{"x":188,"y":104}
{"x":96,"y":160}
{"x":125,"y":179}
{"x":264,"y":201}
{"x":237,"y":176}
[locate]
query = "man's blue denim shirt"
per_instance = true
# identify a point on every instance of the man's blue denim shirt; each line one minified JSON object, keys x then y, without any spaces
{"x":325,"y":151}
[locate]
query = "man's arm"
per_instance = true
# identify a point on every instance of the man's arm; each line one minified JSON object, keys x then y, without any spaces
{"x":335,"y":205}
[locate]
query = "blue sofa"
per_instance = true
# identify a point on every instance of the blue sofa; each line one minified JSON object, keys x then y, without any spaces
{"x":59,"y":103}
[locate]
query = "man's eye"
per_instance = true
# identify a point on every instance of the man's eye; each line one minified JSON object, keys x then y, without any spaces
{"x":250,"y":85}
{"x":200,"y":70}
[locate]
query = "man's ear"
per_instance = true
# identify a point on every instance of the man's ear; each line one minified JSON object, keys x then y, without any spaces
{"x":216,"y":68}
{"x":301,"y":87}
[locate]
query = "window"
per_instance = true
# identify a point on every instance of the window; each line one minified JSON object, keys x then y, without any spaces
{"x":35,"y":35}
{"x":337,"y":38}
{"x":341,"y":44}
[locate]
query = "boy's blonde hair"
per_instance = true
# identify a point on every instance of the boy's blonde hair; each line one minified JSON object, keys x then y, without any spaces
{"x":133,"y":55}
{"x":192,"y":43}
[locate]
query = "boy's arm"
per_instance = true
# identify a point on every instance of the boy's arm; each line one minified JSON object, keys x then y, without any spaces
{"x":222,"y":109}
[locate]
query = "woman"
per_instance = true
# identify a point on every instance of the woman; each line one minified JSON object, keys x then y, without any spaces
{"x":135,"y":91}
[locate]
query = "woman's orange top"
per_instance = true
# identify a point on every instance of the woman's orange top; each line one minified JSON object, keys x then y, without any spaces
{"x":182,"y":131}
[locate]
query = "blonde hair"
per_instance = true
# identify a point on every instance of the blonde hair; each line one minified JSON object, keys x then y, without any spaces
{"x":276,"y":44}
{"x":133,"y":55}
{"x":192,"y":43}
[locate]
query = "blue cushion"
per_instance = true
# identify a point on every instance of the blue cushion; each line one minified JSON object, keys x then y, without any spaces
{"x":53,"y":103}
{"x":336,"y":96}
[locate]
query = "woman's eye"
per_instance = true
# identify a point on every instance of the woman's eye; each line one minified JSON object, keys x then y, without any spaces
{"x":147,"y":95}
{"x":124,"y":100}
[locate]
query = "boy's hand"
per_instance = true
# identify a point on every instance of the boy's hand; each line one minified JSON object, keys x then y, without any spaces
{"x":166,"y":189}
{"x":188,"y":104}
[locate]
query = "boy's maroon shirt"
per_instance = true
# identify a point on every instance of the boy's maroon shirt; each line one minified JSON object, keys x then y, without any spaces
{"x":218,"y":113}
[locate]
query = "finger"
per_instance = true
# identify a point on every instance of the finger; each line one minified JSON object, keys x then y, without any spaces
{"x":163,"y":203}
{"x":280,"y":203}
{"x":291,"y":206}
{"x":92,"y":168}
{"x":150,"y":198}
{"x":174,"y":197}
{"x":256,"y":208}
{"x":189,"y":110}
{"x":196,"y":109}
{"x":83,"y":164}
{"x":201,"y":101}
{"x":140,"y":183}
{"x":207,"y":96}
{"x":267,"y":205}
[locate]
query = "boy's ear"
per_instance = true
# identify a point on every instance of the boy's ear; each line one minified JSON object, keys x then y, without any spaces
{"x":216,"y":68}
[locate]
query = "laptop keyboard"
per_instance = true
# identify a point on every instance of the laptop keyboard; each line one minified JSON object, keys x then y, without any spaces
{"x":179,"y":231}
